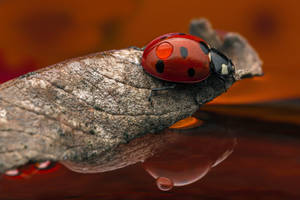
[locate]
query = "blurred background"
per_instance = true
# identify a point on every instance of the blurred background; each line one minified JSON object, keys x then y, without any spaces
{"x":35,"y":34}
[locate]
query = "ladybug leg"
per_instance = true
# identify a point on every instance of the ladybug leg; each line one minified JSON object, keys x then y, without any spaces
{"x":224,"y":82}
{"x":136,"y":48}
{"x":159,"y":89}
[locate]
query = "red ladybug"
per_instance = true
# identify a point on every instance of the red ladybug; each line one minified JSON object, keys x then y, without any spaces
{"x":182,"y":58}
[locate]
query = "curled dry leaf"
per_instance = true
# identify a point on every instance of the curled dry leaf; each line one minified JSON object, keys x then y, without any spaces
{"x":87,"y":112}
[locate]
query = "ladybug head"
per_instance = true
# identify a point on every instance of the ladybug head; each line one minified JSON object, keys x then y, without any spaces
{"x":220,"y":64}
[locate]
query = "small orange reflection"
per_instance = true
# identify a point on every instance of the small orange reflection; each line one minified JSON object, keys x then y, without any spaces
{"x":186,"y":123}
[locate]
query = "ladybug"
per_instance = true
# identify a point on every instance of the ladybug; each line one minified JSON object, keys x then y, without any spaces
{"x":183,"y":58}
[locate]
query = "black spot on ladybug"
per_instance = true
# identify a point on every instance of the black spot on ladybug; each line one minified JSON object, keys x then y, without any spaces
{"x":204,"y":47}
{"x":191,"y":72}
{"x":183,"y":52}
{"x":181,"y":34}
{"x":160,"y":66}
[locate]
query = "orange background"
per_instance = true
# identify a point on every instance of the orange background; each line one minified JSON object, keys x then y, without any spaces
{"x":35,"y":34}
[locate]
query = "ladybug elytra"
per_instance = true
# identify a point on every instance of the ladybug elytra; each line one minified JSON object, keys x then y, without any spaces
{"x":182,"y":58}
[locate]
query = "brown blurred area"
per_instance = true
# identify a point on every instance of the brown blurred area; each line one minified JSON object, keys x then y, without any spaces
{"x":35,"y":34}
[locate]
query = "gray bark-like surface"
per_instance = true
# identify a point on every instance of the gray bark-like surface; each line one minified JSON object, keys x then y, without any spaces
{"x":87,"y":112}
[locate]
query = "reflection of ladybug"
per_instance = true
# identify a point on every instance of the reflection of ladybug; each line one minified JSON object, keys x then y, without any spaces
{"x":182,"y":58}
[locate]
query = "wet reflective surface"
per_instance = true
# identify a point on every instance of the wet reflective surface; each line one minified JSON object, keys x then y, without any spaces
{"x":264,"y":163}
{"x":193,"y":153}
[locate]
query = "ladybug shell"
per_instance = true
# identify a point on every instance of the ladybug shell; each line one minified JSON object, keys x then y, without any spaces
{"x":177,"y":57}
